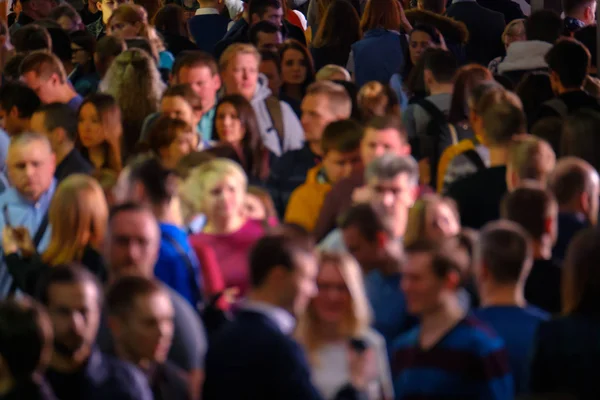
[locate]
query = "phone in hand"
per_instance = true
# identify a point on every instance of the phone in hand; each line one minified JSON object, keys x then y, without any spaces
{"x":359,"y":345}
{"x":6,"y":216}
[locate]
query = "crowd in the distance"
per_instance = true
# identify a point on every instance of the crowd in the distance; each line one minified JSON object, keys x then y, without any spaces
{"x":299,"y":199}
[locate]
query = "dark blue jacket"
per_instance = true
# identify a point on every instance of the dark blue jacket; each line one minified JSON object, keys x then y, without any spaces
{"x":568,"y":226}
{"x":207,"y":30}
{"x":377,"y":56}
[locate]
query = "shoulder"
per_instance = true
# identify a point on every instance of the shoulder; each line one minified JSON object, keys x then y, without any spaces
{"x":127,"y":377}
{"x":405,"y":341}
{"x":474,"y":335}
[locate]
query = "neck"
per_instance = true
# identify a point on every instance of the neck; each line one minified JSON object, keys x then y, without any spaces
{"x":441,"y":88}
{"x":97,"y":156}
{"x":294,"y":91}
{"x":571,"y":208}
{"x":63,"y":151}
{"x":167,"y":214}
{"x":315,"y":147}
{"x":443,"y":318}
{"x":142,"y":363}
{"x":225,"y":224}
{"x":65,"y":364}
{"x":563,"y":90}
{"x":542,"y":249}
{"x":65,"y":93}
{"x":209,"y":103}
{"x":502,"y":295}
{"x":264,"y":295}
{"x":391,"y":263}
{"x":498,"y":156}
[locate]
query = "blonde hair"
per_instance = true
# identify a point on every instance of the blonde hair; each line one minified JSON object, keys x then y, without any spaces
{"x":78,"y":215}
{"x":338,"y":99}
{"x":416,"y":227}
{"x":359,"y":315}
{"x":531,"y":158}
{"x":514,"y":29}
{"x":235,"y":49}
{"x":325,"y":73}
{"x":374,"y":100}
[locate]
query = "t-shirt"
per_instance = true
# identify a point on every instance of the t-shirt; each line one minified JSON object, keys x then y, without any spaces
{"x":517,"y":327}
{"x":542,"y":288}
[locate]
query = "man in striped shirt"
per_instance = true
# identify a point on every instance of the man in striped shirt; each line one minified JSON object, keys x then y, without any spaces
{"x":450,"y":355}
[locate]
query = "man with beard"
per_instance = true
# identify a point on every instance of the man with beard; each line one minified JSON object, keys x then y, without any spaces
{"x":77,"y":369}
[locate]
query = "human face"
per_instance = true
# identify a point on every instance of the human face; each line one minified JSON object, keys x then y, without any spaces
{"x":44,"y":88}
{"x":10,"y":121}
{"x":75,"y":314}
{"x":133,"y":244}
{"x":339,"y":165}
{"x":269,"y":41}
{"x":80,"y":56}
{"x":184,"y":143}
{"x":147,"y":332}
{"x":269,"y":69}
{"x":177,"y":107}
{"x":31,"y":168}
{"x":440,"y":222}
{"x":274,"y":15}
{"x":367,"y":253}
{"x":396,"y":196}
{"x":293,"y":67}
{"x":90,"y":129}
{"x":419,"y":42}
{"x":241,"y":75}
{"x":254,"y":207}
{"x":377,"y":143}
{"x":333,"y":302}
{"x":228,"y":125}
{"x":224,"y":198}
{"x":299,"y":285}
{"x":422,"y":288}
{"x":123,"y":30}
{"x":316,"y":115}
{"x":203,"y":82}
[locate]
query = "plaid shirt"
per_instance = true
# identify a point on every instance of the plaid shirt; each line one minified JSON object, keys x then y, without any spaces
{"x":97,"y":28}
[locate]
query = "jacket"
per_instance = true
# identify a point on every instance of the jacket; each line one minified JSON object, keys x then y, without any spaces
{"x":306,"y":201}
{"x":523,"y":57}
{"x":293,"y":135}
{"x":207,"y":30}
{"x":510,"y":9}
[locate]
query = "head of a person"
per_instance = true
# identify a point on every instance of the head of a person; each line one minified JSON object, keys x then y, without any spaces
{"x":83,"y":46}
{"x":239,"y":69}
{"x":44,"y":73}
{"x":107,"y":7}
{"x":432,"y":218}
{"x":544,"y":25}
{"x":181,"y":102}
{"x":99,"y":116}
{"x":297,"y":67}
{"x":575,"y":184}
{"x":18,"y":102}
{"x":265,"y":35}
{"x":503,"y":120}
{"x":535,"y":209}
{"x":549,"y":129}
{"x":377,"y":100}
{"x":266,"y":10}
{"x":421,"y":38}
{"x":534,"y":89}
{"x":583,"y":10}
{"x":259,"y":205}
{"x":340,"y":144}
{"x":67,"y":17}
{"x":38,"y":9}
{"x":467,"y":78}
{"x":140,"y":316}
{"x":588,"y":37}
{"x":150,"y":183}
{"x":332,"y":72}
{"x":323,"y":103}
{"x":529,"y":159}
{"x":340,"y":25}
{"x":580,"y":279}
{"x":30,"y":163}
{"x":283,"y":266}
{"x":579,"y":138}
{"x":435,"y":6}
{"x":128,"y":21}
{"x":200,"y":71}
{"x":171,"y":20}
{"x":73,"y":298}
{"x":171,"y":139}
{"x":58,"y":122}
{"x":514,"y":32}
{"x":236,"y":123}
{"x":61,"y":46}
{"x":107,"y":49}
{"x":440,"y":67}
{"x":270,"y":66}
{"x":30,"y":38}
{"x":431,"y":275}
{"x":381,"y":14}
{"x":384,"y":135}
{"x":568,"y":62}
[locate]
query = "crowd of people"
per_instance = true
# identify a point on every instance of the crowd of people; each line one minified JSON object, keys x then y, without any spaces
{"x":299,"y":199}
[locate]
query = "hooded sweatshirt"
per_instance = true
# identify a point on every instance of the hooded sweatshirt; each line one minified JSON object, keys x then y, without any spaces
{"x":306,"y":201}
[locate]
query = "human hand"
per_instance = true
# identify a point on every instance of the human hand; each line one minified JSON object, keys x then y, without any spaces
{"x":17,"y":238}
{"x":363,"y":367}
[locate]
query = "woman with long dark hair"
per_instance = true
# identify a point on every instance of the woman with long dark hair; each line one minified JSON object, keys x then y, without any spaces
{"x":297,"y":69}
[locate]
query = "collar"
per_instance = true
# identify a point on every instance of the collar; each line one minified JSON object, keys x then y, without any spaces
{"x":572,"y":24}
{"x":207,"y":11}
{"x":283,"y":319}
{"x":44,"y":200}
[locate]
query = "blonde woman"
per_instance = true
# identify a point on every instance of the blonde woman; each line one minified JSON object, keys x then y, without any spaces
{"x":514,"y":32}
{"x":77,"y":216}
{"x":339,"y":313}
{"x":432,"y":217}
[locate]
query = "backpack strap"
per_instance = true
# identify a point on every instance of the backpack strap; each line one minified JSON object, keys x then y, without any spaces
{"x":434,"y":113}
{"x":558,"y":106}
{"x":474,"y":157}
{"x":439,"y":119}
{"x":276,"y":115}
{"x":188,"y":263}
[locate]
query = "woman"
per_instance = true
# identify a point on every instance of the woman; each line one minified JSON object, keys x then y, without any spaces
{"x":337,"y":33}
{"x":135,"y":83}
{"x":432,"y":218}
{"x":172,"y":25}
{"x":377,"y":100}
{"x":514,"y":32}
{"x":341,"y":312}
{"x":218,"y":189}
{"x":78,"y":215}
{"x":99,"y":132}
{"x":297,"y":70}
{"x":67,"y":17}
{"x":84,"y":77}
{"x":171,"y":139}
{"x":236,"y":126}
{"x":259,"y":204}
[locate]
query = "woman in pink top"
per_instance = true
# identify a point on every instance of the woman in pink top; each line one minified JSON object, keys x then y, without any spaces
{"x":218,"y":189}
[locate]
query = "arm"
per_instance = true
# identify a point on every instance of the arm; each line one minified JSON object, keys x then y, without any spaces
{"x":25,"y":271}
{"x":212,"y":278}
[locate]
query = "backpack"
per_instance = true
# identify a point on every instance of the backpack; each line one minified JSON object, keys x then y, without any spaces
{"x":440,"y":135}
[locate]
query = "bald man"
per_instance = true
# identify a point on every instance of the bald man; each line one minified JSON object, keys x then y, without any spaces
{"x":575,"y":184}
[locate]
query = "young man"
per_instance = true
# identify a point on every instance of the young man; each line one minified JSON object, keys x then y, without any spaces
{"x":270,"y":66}
{"x":17,"y":104}
{"x":265,"y":35}
{"x":503,"y":258}
{"x":208,"y":26}
{"x":45,"y":75}
{"x":32,"y":10}
{"x":98,"y":27}
{"x":576,"y":186}
{"x":578,"y":14}
{"x":529,"y":159}
{"x":536,"y":210}
{"x":140,"y":316}
{"x":58,"y":122}
{"x":449,"y":354}
{"x":340,"y":146}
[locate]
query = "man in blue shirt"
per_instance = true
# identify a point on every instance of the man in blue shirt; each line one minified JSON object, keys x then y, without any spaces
{"x":503,"y":260}
{"x":30,"y":164}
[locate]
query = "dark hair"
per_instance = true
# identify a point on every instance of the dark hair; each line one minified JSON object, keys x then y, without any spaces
{"x":164,"y":132}
{"x":190,"y":161}
{"x":127,"y":207}
{"x":413,"y":73}
{"x":272,"y":56}
{"x":186,"y":92}
{"x":544,"y":25}
{"x":343,"y":136}
{"x":61,"y":44}
{"x":85,"y":40}
{"x":160,"y":183}
{"x":505,"y":249}
{"x":261,"y":27}
{"x":445,"y":256}
{"x":25,"y":333}
{"x":388,"y":122}
{"x":340,"y":26}
{"x":107,"y":48}
{"x":587,"y":37}
{"x":31,"y":37}
{"x":292,"y":44}
{"x":550,"y":129}
{"x":142,"y":43}
{"x":122,"y":294}
{"x":194,"y":58}
{"x":65,"y":10}
{"x":466,"y":79}
{"x":367,"y":219}
{"x":502,"y":121}
{"x":66,"y":275}
{"x":441,"y":63}
{"x":570,"y":60}
{"x":272,"y":251}
{"x":534,"y":89}
{"x":12,"y":69}
{"x":171,"y":19}
{"x":260,"y":7}
{"x":529,"y":206}
{"x":580,"y":136}
{"x":581,"y":275}
{"x":59,"y":115}
{"x":19,"y":95}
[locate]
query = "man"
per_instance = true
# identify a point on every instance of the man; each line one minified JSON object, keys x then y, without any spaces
{"x":503,"y":259}
{"x":576,"y":186}
{"x":529,"y":159}
{"x":58,"y":122}
{"x":30,"y":165}
{"x":141,"y":320}
{"x":324,"y":102}
{"x":106,"y":7}
{"x":578,"y":14}
{"x":536,"y":210}
{"x":131,"y":248}
{"x":25,"y":342}
{"x":45,"y":75}
{"x":200,"y":71}
{"x":270,"y":66}
{"x":238,"y":364}
{"x":30,"y":38}
{"x":265,"y":35}
{"x":32,"y":10}
{"x":382,"y":135}
{"x":431,"y":278}
{"x":17,"y":104}
{"x":279,"y":127}
{"x":77,"y":369}
{"x":208,"y":26}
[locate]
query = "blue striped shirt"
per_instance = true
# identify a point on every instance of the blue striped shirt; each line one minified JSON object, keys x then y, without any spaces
{"x":469,"y":362}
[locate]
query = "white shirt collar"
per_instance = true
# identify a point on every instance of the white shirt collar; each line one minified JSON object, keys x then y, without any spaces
{"x":283,"y":319}
{"x":207,"y":11}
